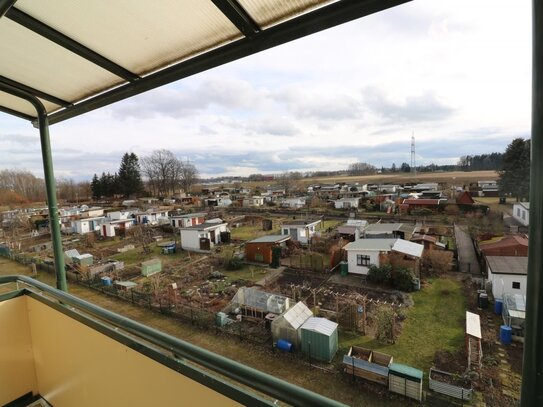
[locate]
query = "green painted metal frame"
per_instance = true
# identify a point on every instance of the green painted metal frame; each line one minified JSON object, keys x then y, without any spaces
{"x":5,"y":5}
{"x":532,"y":371}
{"x":35,"y":92}
{"x":50,"y":183}
{"x":238,"y":16}
{"x":185,"y":353}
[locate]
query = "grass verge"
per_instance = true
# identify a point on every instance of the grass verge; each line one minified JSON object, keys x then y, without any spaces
{"x":435,"y":322}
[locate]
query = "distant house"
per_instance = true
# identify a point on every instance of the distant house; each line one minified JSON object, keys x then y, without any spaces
{"x":346,"y":203}
{"x":353,"y":229}
{"x":389,"y":189}
{"x":409,"y":205}
{"x":253,"y":201}
{"x":187,"y":220}
{"x":508,"y":245}
{"x":294,"y":203}
{"x":300,"y":230}
{"x":218,"y":201}
{"x":118,"y":215}
{"x":385,"y":230}
{"x":260,"y":250}
{"x":507,"y":274}
{"x":115,"y":227}
{"x":93,"y":212}
{"x":148,"y":200}
{"x":152,"y":217}
{"x":464,"y":198}
{"x":521,"y":212}
{"x":86,"y":225}
{"x":365,"y":252}
{"x":488,"y":188}
{"x":431,"y":186}
{"x":202,"y":237}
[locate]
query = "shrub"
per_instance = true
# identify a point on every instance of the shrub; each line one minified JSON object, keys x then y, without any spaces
{"x":403,"y":280}
{"x":233,"y":263}
{"x":384,"y":324}
{"x":379,"y":275}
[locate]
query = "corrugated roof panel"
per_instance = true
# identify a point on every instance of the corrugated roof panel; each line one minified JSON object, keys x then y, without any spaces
{"x":409,"y":248}
{"x":320,"y":325}
{"x":297,"y":315}
{"x":20,"y":105}
{"x":473,"y":324}
{"x":270,"y":12}
{"x":41,"y":64}
{"x":139,"y":35}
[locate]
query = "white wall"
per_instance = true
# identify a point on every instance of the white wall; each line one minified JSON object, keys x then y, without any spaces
{"x":190,"y":239}
{"x":521,"y":214}
{"x":503,"y":284}
{"x":82,"y":227}
{"x":110,"y":230}
{"x":356,"y":269}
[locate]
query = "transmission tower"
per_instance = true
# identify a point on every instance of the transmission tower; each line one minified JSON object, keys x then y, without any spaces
{"x":413,"y":162}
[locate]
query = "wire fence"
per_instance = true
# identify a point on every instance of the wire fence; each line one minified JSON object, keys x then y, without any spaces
{"x":245,"y":330}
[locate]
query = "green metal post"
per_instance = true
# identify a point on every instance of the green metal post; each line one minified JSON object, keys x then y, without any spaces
{"x":51,"y":187}
{"x":532,"y":372}
{"x":50,"y":183}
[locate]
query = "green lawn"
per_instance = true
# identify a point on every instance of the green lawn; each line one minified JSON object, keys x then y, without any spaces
{"x":247,"y":272}
{"x":331,"y":224}
{"x":435,"y":322}
{"x":249,"y":232}
{"x":137,"y":256}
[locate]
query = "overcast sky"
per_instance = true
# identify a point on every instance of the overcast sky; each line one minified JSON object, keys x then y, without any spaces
{"x":457,"y":73}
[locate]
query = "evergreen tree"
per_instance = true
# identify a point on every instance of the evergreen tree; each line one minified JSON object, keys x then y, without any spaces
{"x":515,"y":172}
{"x":129,"y":178}
{"x":96,"y":187}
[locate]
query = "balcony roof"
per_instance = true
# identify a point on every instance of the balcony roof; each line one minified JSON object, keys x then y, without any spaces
{"x":79,"y":57}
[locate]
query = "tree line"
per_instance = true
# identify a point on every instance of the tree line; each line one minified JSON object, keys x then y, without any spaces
{"x":21,"y":186}
{"x":165,"y":174}
{"x":514,"y":173}
{"x":483,"y":162}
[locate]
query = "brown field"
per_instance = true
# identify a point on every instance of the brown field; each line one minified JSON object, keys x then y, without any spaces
{"x":452,"y":177}
{"x":448,"y":177}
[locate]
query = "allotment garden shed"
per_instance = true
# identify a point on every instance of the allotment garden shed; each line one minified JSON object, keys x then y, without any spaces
{"x":319,"y":339}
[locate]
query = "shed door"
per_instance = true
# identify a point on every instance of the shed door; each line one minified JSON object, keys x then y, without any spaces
{"x":294,"y":234}
{"x":205,"y":243}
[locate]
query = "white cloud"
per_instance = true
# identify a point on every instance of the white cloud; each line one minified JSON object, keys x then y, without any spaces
{"x":457,"y":72}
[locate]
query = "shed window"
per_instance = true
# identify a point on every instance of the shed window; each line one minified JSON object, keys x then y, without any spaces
{"x":362,"y":260}
{"x":516,"y":285}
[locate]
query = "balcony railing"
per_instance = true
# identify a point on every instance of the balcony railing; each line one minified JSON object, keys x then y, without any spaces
{"x":59,"y":346}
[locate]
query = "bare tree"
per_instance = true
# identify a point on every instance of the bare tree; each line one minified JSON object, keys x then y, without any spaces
{"x":188,"y":175}
{"x":162,"y":170}
{"x":361,"y":169}
{"x":24,"y":183}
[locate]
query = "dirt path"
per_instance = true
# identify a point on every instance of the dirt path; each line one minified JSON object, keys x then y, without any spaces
{"x":467,"y":259}
{"x":334,"y":385}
